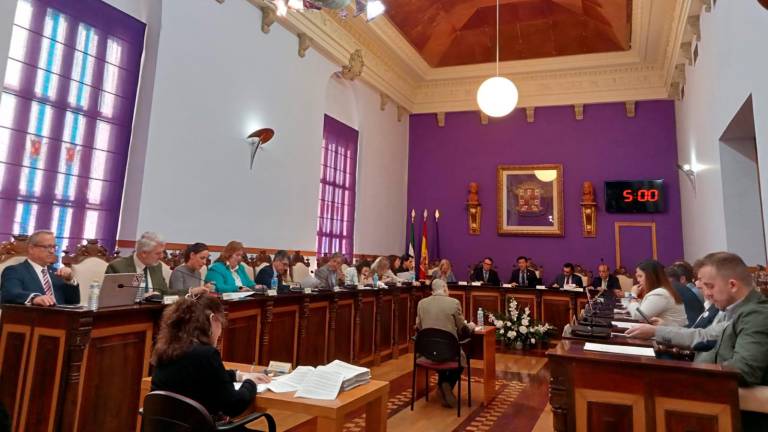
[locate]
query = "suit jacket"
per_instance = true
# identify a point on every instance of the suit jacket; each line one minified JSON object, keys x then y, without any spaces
{"x":743,"y":343}
{"x":493,"y":277}
{"x":530,"y":278}
{"x":220,"y":275}
{"x":704,"y":321}
{"x":265,"y":278}
{"x":20,"y":281}
{"x":612,"y":284}
{"x":126,"y":265}
{"x":693,"y":306}
{"x":575,"y":280}
{"x":441,"y":312}
{"x":326,"y":278}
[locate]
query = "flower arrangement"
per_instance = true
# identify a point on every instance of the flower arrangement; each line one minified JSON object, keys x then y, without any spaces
{"x":519,"y":328}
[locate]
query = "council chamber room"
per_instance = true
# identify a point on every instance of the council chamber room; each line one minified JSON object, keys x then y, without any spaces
{"x":371,"y":215}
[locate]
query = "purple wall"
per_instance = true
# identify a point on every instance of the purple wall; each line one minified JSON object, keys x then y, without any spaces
{"x":605,"y":145}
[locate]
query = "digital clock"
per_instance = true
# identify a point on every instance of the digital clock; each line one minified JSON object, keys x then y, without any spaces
{"x":635,"y":196}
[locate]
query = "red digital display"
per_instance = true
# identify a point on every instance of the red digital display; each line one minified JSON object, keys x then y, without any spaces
{"x":640,"y":195}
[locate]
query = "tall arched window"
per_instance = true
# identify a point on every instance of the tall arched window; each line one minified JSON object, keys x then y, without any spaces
{"x":66,"y":114}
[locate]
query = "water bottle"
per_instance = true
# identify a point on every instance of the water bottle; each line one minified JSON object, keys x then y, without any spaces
{"x":480,"y":317}
{"x":273,"y":285}
{"x":93,"y":295}
{"x":375,"y":280}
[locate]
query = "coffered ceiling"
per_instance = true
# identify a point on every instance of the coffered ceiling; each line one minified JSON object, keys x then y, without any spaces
{"x":461,"y":32}
{"x":432,"y":58}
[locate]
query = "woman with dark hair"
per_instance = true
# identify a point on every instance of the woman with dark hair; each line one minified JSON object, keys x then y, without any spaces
{"x":394,"y":263}
{"x":187,"y":278}
{"x":228,"y":273}
{"x":186,"y":360}
{"x":654,"y":297}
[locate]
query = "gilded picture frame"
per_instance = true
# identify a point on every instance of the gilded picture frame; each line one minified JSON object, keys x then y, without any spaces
{"x":529,"y":200}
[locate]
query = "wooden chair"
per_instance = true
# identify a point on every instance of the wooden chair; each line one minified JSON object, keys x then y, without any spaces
{"x":169,"y":412}
{"x":13,"y":251}
{"x":625,"y":282}
{"x":88,"y":264}
{"x":439,"y":350}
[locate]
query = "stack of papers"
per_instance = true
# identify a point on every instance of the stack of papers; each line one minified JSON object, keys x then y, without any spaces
{"x":620,"y":349}
{"x":323,"y":382}
{"x":235,"y":295}
{"x":626,"y":325}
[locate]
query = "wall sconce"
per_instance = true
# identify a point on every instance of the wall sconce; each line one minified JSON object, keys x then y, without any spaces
{"x":689,"y":173}
{"x":258,"y":139}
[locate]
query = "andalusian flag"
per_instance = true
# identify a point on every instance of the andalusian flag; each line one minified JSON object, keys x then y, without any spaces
{"x":424,"y":259}
{"x":412,"y":240}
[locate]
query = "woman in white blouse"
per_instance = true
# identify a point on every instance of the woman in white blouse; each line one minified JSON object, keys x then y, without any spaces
{"x":654,"y":297}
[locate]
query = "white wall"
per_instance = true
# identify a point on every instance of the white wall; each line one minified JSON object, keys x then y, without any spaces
{"x":209,"y":78}
{"x":732,"y":64}
{"x":217,"y":79}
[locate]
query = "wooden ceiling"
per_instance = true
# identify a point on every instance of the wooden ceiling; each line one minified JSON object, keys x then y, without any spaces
{"x":463,"y":32}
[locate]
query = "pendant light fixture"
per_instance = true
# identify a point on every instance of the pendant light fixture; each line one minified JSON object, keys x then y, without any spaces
{"x":497,"y":96}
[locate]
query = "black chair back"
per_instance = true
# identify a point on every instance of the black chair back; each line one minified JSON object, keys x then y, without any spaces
{"x":437,"y":345}
{"x":169,"y":412}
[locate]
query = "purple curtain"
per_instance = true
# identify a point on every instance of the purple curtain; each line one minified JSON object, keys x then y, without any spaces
{"x":65,"y":119}
{"x":336,"y":208}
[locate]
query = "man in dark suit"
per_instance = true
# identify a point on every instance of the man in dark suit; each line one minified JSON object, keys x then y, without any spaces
{"x":607,"y":283}
{"x":279,"y":264}
{"x":693,"y":306}
{"x":486,"y":274}
{"x":33,"y":282}
{"x":568,"y":277}
{"x":522,"y":276}
{"x":146,"y":261}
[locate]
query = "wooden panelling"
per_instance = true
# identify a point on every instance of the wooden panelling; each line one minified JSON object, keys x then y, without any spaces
{"x":678,"y":415}
{"x":14,"y":346}
{"x":316,"y":343}
{"x":344,"y":331}
{"x":556,"y":310}
{"x":365,"y":328}
{"x":488,"y":300}
{"x":283,"y":334}
{"x":404,"y":321}
{"x":385,"y":328}
{"x":240,"y":338}
{"x":608,"y":417}
{"x":460,"y":295}
{"x":41,"y":390}
{"x":614,"y":402}
{"x":120,"y":357}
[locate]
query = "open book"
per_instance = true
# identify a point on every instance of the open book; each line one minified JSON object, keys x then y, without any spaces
{"x":323,"y":382}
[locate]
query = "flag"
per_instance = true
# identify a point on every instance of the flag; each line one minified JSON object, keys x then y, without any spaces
{"x":424,"y":258}
{"x":412,"y":240}
{"x":437,"y":235}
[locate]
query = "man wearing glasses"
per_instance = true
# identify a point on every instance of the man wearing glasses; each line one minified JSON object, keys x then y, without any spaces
{"x":33,"y":282}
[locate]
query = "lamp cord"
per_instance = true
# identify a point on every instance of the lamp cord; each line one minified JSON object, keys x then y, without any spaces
{"x":497,"y":37}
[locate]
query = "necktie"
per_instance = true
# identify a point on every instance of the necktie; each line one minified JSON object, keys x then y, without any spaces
{"x":146,"y":279}
{"x":567,"y":280}
{"x":525,"y":278}
{"x":47,"y":286}
{"x":485,"y":276}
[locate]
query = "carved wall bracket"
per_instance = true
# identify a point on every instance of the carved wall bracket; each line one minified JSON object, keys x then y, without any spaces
{"x":268,"y":17}
{"x":354,"y":68}
{"x":483,"y":118}
{"x":401,"y":112}
{"x":474,"y":209}
{"x":384,"y":100}
{"x":588,"y":210}
{"x":529,"y":114}
{"x":441,"y":119}
{"x":304,"y":44}
{"x":629,"y":107}
{"x":578,"y":111}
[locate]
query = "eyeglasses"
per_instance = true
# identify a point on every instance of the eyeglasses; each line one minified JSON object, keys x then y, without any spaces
{"x":52,"y":247}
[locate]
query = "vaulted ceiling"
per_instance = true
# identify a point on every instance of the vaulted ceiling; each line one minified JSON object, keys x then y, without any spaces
{"x":462,"y":32}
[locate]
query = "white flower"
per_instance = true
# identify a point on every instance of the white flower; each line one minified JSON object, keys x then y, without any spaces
{"x":509,"y":324}
{"x":523,"y":329}
{"x":499,"y":324}
{"x":525,"y":321}
{"x":510,"y":334}
{"x":533,"y":341}
{"x":527,"y":310}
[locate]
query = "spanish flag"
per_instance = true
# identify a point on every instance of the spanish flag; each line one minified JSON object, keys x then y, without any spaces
{"x":424,"y":259}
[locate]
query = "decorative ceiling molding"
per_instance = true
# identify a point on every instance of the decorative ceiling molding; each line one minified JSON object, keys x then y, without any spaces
{"x":400,"y":74}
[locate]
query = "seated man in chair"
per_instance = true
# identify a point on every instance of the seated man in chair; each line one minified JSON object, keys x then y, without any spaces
{"x":33,"y":282}
{"x":443,"y":312}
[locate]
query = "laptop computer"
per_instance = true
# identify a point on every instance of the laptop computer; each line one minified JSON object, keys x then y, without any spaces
{"x":119,"y":289}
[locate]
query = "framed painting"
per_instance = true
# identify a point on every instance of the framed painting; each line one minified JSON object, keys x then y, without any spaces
{"x":530,"y":200}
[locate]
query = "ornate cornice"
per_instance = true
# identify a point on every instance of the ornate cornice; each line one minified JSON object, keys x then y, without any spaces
{"x":397,"y":71}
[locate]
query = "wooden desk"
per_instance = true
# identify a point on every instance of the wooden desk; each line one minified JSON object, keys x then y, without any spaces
{"x":484,"y":348}
{"x":612,"y":392}
{"x":331,"y":415}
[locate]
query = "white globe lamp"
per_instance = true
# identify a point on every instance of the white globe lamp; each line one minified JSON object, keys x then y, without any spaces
{"x":497,"y":96}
